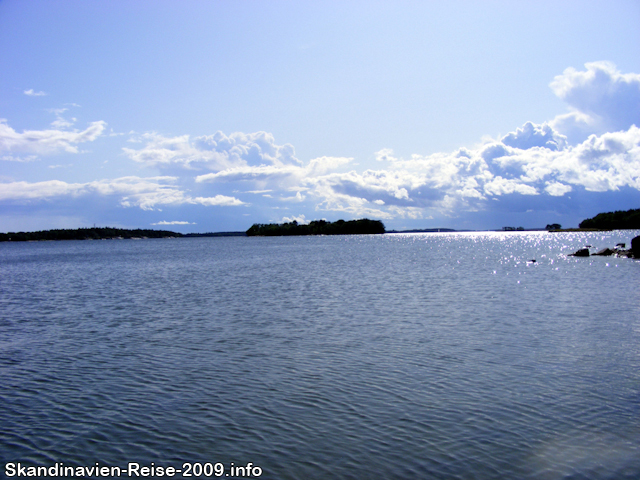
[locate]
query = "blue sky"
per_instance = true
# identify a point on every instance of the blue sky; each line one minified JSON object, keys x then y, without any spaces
{"x":202,"y":116}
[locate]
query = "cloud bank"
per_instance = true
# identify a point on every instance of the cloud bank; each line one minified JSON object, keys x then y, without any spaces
{"x":593,"y":147}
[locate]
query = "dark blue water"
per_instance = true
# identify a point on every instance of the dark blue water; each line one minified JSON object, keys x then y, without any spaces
{"x":430,"y":356}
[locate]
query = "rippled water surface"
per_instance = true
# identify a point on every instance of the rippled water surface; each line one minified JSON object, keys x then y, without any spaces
{"x":401,"y":356}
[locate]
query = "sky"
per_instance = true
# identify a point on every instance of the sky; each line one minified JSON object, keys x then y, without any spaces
{"x":209,"y":116}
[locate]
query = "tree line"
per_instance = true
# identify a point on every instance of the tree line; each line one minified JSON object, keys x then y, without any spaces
{"x":85,"y":234}
{"x":618,"y":220}
{"x":317,"y":227}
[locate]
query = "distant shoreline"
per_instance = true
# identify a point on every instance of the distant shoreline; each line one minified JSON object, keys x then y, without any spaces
{"x":106,"y":233}
{"x":139,"y":234}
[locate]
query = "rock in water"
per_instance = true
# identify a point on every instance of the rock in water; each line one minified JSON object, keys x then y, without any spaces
{"x":583,"y":252}
{"x":605,"y":252}
{"x":635,"y":247}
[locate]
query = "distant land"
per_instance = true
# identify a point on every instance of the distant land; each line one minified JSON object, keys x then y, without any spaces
{"x":318,"y":227}
{"x":618,"y":220}
{"x":105,"y":233}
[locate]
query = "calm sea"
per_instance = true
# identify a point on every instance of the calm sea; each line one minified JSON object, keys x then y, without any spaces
{"x":406,"y":356}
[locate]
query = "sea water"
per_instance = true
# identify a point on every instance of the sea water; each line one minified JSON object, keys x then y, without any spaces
{"x":431,"y":356}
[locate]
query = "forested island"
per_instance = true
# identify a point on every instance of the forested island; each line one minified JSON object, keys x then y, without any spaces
{"x":106,"y":233}
{"x":618,"y":220}
{"x":318,"y":227}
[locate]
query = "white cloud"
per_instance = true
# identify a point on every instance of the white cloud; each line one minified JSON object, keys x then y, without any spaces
{"x":218,"y":200}
{"x":298,"y":197}
{"x":46,"y":142}
{"x":534,"y":160}
{"x":601,"y":100}
{"x":257,"y":192}
{"x":38,"y":190}
{"x":300,"y":219}
{"x":61,"y":123}
{"x":147,"y":193}
{"x":557,"y":189}
{"x":277,"y":176}
{"x":322,"y":165}
{"x":537,"y":162}
{"x":173,"y":222}
{"x":531,"y":135}
{"x":607,"y":162}
{"x":12,"y":158}
{"x":214,"y":152}
{"x":385,"y":155}
{"x":32,"y":93}
{"x":502,"y":186}
{"x":261,"y":173}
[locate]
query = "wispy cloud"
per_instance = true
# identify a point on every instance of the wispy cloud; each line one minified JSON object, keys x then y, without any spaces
{"x":32,"y":93}
{"x":46,"y":142}
{"x":13,"y":158}
{"x":61,"y":123}
{"x":174,"y":222}
{"x":147,"y":193}
{"x":218,"y":200}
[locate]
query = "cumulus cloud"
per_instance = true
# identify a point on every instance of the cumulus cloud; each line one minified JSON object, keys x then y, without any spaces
{"x":557,"y":189}
{"x":147,"y":193}
{"x":531,"y":135}
{"x":46,"y":142}
{"x":385,"y":155}
{"x":322,"y":165}
{"x":214,"y":152}
{"x":531,"y":161}
{"x":601,"y":99}
{"x":503,"y":186}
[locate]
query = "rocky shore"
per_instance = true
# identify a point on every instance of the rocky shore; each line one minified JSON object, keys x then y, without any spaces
{"x":619,"y":250}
